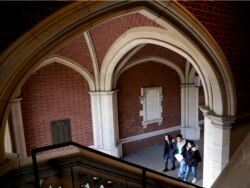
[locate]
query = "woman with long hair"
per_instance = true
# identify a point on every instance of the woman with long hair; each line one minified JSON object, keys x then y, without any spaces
{"x":192,"y":155}
{"x":168,"y":152}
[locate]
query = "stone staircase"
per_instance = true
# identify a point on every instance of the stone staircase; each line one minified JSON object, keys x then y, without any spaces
{"x":82,"y":167}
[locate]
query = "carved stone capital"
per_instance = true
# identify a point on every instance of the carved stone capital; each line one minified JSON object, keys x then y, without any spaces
{"x":219,"y":121}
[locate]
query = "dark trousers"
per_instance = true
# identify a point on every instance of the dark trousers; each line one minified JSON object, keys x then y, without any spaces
{"x":166,"y":158}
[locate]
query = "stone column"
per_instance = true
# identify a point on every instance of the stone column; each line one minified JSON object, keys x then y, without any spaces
{"x":216,"y":145}
{"x":105,"y":121}
{"x":189,"y":111}
{"x":207,"y":155}
{"x":17,"y":124}
{"x":96,"y":119}
{"x":221,"y":144}
{"x":7,"y":139}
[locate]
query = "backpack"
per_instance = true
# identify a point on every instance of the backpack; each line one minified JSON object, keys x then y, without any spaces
{"x":197,"y":156}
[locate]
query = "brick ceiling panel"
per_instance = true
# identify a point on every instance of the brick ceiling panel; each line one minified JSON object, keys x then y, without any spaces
{"x":106,"y":34}
{"x":158,"y":51}
{"x":77,"y":51}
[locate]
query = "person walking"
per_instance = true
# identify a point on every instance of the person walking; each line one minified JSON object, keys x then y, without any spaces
{"x":180,"y":154}
{"x":168,"y":152}
{"x":191,"y":159}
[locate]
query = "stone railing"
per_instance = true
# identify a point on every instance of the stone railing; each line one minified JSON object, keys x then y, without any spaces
{"x":83,"y":167}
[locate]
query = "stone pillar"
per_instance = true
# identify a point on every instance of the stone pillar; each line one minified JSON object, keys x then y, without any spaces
{"x":17,"y":124}
{"x":216,"y":145}
{"x":7,"y":139}
{"x":105,"y":121}
{"x":221,"y":144}
{"x":189,"y":111}
{"x":207,"y":155}
{"x":96,"y":119}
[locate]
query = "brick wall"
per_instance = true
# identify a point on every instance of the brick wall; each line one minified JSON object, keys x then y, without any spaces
{"x":159,"y":51}
{"x":148,"y":74}
{"x":77,"y":51}
{"x":229,"y":24}
{"x":55,"y":92}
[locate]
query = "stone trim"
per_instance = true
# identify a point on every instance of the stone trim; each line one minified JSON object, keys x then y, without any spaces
{"x":148,"y":135}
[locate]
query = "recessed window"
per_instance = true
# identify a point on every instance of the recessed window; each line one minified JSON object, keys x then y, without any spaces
{"x":151,"y":99}
{"x":61,"y":131}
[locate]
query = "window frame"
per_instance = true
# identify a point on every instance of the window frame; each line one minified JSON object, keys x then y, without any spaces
{"x":151,"y":112}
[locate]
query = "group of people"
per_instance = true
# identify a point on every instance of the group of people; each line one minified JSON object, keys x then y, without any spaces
{"x":185,"y":152}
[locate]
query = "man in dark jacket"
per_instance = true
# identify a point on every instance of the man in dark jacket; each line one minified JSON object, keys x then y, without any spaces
{"x":180,"y":154}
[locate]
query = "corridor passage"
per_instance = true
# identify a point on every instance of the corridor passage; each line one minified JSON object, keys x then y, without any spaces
{"x":152,"y":158}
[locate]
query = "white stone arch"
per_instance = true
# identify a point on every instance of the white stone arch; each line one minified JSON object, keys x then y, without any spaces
{"x":154,"y":59}
{"x":41,"y":41}
{"x":173,"y":41}
{"x":217,"y":83}
{"x":56,"y":59}
{"x":161,"y":37}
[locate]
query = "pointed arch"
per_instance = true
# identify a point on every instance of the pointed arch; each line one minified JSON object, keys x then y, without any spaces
{"x":177,"y":43}
{"x":154,"y":59}
{"x":182,"y":34}
{"x":42,"y":40}
{"x":82,"y":71}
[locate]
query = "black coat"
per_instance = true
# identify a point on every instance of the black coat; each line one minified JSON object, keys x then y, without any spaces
{"x":190,"y":157}
{"x":168,"y":148}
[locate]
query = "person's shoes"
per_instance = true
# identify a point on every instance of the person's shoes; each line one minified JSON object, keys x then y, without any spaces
{"x":180,"y":178}
{"x":173,"y":168}
{"x":194,"y":180}
{"x":165,"y":170}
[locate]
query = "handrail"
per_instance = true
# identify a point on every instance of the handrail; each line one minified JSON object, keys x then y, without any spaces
{"x":56,"y":146}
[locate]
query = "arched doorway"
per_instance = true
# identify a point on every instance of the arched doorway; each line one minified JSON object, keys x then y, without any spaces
{"x":196,"y":46}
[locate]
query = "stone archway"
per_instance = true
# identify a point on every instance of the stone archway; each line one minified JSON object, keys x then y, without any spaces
{"x":16,"y":116}
{"x":214,"y":91}
{"x":38,"y":44}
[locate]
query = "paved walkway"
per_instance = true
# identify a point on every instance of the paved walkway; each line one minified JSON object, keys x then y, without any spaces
{"x":152,"y":158}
